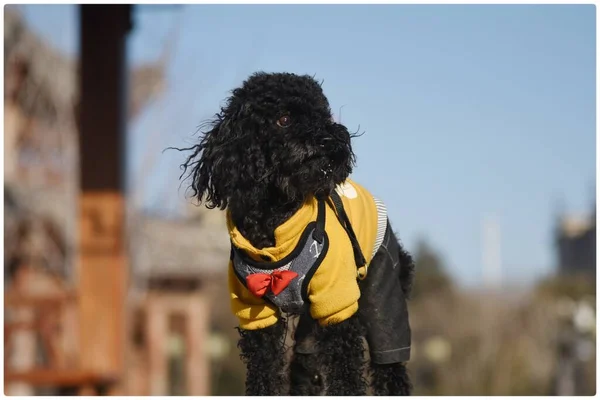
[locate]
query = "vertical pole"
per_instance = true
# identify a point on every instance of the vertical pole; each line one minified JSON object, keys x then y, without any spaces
{"x":157,"y":313}
{"x":198,"y":365}
{"x":102,"y":266}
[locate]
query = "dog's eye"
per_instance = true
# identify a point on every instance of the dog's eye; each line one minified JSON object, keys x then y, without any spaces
{"x":284,"y":121}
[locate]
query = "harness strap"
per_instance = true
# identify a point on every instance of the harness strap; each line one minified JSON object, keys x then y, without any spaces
{"x":359,"y":258}
{"x":319,"y":231}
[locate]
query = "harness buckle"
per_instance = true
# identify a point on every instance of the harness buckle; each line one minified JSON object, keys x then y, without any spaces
{"x":361,"y":273}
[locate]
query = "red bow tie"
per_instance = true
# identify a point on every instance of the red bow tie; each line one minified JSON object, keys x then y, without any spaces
{"x":277,"y":281}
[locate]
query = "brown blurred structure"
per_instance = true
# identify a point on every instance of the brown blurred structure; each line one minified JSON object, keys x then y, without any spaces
{"x":103,"y":258}
{"x":99,"y":298}
{"x":65,"y":327}
{"x":176,"y":264}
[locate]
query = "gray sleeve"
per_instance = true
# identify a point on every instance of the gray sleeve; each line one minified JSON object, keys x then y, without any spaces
{"x":382,"y":305}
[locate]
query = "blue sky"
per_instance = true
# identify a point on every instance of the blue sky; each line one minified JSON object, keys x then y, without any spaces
{"x":468,"y":110}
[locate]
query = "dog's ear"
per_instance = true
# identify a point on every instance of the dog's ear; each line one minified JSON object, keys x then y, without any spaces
{"x":209,"y":166}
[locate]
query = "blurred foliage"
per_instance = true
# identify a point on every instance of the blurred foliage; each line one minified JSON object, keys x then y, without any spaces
{"x":430,"y":272}
{"x":496,"y":347}
{"x":575,"y":287}
{"x":502,"y":342}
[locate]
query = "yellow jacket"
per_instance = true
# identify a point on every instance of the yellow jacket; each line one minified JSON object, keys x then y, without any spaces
{"x":333,"y":291}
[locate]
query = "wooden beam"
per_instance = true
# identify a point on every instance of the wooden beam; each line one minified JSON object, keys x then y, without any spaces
{"x":102,"y":267}
{"x":103,"y":84}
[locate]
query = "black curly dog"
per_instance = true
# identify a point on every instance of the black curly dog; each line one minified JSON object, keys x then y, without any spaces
{"x":267,"y":149}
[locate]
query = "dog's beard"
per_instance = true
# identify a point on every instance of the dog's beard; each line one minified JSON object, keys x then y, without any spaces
{"x":327,"y":170}
{"x":302,"y":169}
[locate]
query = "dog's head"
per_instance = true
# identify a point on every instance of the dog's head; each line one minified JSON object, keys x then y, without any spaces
{"x":275,"y":138}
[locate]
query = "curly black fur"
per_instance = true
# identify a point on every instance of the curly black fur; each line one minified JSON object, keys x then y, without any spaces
{"x":336,"y":367}
{"x":273,"y":144}
{"x":342,"y":356}
{"x":390,"y":380}
{"x":261,"y":351}
{"x":262,"y":171}
{"x":306,"y":377}
{"x":407,"y":271}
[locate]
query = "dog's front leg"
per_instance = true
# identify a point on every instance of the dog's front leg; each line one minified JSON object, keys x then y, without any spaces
{"x":306,"y":377}
{"x":342,"y":354}
{"x":390,"y":380}
{"x":262,"y":351}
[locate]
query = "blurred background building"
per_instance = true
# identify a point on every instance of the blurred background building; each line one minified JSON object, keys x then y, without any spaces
{"x":576,"y":243}
{"x":41,"y":286}
{"x":159,"y":294}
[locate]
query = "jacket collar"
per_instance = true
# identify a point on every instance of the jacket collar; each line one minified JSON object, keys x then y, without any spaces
{"x":287,"y":234}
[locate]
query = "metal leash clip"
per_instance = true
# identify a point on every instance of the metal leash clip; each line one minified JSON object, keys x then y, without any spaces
{"x":361,"y":273}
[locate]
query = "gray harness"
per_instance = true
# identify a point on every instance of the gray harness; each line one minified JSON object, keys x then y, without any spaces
{"x":304,"y":260}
